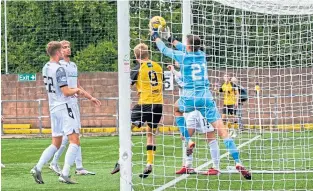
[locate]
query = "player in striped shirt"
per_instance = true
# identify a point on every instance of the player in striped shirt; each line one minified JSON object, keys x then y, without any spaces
{"x":147,"y":75}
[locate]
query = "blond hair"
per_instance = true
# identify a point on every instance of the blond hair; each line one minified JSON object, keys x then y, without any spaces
{"x":53,"y":47}
{"x":234,"y":80}
{"x":141,"y":51}
{"x":65,"y":42}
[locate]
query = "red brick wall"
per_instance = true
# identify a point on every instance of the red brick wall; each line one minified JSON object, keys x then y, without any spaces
{"x":290,"y":109}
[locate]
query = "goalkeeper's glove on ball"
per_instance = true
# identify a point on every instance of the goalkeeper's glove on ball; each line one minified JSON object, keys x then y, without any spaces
{"x":154,"y":34}
{"x":166,"y":34}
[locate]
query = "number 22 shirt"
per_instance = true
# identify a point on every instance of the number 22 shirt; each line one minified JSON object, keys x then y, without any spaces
{"x":54,"y":77}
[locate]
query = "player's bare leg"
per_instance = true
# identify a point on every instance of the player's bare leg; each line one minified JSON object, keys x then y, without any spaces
{"x":45,"y":157}
{"x":150,"y":133}
{"x":231,"y":147}
{"x":70,"y":157}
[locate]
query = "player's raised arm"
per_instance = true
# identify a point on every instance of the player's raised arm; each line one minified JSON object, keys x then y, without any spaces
{"x":169,"y":52}
{"x":179,"y":46}
{"x":166,"y":34}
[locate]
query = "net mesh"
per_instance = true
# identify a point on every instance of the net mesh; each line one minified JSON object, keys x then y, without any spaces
{"x":264,"y":43}
{"x":90,"y":26}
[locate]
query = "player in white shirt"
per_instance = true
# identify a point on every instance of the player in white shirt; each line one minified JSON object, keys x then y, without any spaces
{"x":195,"y":122}
{"x":63,"y":119}
{"x":72,"y":75}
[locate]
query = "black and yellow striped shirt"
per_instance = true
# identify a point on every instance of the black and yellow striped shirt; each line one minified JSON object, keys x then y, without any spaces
{"x":148,"y":77}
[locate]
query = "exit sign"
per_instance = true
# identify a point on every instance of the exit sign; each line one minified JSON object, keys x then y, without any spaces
{"x":26,"y":77}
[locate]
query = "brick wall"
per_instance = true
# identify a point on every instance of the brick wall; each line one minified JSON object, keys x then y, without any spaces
{"x":295,"y":107}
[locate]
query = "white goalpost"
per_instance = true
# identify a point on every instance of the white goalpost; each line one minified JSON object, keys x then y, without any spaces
{"x":263,"y":43}
{"x":125,"y":151}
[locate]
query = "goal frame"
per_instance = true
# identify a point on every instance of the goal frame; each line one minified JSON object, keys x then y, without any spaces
{"x":125,"y":150}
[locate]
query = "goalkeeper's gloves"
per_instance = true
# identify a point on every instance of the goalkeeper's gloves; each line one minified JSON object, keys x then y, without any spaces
{"x":154,"y":34}
{"x":166,"y":34}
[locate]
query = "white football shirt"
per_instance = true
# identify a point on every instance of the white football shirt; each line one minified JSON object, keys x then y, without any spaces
{"x":72,"y":75}
{"x":54,"y":77}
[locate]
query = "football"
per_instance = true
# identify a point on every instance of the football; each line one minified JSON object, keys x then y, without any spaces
{"x":157,"y":21}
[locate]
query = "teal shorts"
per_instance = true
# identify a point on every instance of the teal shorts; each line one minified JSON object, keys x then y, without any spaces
{"x":202,"y":101}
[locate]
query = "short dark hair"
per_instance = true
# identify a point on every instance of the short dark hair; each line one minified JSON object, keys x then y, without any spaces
{"x":194,"y":41}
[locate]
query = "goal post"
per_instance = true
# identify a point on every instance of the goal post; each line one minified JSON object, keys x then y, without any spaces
{"x":186,"y":29}
{"x":125,"y":151}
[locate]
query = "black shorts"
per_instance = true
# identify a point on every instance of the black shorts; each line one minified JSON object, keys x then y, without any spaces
{"x":229,"y":110}
{"x":150,"y":113}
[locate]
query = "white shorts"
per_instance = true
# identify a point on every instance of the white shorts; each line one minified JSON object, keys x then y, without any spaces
{"x":194,"y":120}
{"x":65,"y":121}
{"x":75,"y":108}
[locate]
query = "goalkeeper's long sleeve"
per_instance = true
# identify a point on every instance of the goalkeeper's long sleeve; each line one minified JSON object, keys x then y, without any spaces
{"x":180,"y":46}
{"x":169,"y":52}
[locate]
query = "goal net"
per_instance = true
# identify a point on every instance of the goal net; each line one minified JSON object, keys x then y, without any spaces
{"x":267,"y":46}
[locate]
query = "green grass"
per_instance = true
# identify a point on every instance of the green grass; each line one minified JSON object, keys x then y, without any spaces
{"x":275,"y":151}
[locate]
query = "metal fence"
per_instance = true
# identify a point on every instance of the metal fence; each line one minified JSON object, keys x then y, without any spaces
{"x":41,"y":116}
{"x":273,"y":110}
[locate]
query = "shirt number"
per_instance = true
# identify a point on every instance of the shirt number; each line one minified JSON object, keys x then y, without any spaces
{"x":49,"y":84}
{"x":196,"y":72}
{"x":205,"y":123}
{"x":153,"y":78}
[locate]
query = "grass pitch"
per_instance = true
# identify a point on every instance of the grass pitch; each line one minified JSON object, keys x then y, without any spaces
{"x":275,"y":151}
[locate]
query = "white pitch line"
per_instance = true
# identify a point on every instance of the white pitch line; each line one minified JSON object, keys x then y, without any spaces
{"x":182,"y":177}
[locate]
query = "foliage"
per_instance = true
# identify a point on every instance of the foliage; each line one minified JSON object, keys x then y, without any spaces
{"x":97,"y":57}
{"x":31,"y":25}
{"x":232,"y":38}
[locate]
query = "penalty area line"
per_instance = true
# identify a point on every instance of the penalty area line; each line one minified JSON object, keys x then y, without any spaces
{"x":182,"y":177}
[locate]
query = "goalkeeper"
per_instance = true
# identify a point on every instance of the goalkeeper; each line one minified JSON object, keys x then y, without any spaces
{"x":196,"y":122}
{"x":148,"y":77}
{"x":195,"y":93}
